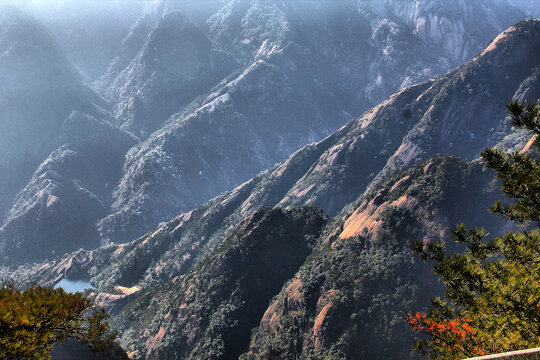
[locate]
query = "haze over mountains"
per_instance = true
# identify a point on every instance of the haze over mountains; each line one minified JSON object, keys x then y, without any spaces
{"x":183,"y":81}
{"x":299,"y":140}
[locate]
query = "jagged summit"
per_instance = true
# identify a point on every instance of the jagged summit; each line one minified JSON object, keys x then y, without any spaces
{"x":518,"y":37}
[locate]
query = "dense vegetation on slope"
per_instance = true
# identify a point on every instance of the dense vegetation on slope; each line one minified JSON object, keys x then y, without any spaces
{"x":349,"y":299}
{"x":346,"y":301}
{"x":209,"y":312}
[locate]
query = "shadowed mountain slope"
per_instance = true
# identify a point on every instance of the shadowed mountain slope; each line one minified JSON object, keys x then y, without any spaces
{"x":71,"y":190}
{"x":210,"y":311}
{"x":39,"y":90}
{"x":176,"y":64}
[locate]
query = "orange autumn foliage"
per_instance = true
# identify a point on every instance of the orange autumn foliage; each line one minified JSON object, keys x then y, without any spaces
{"x":454,"y":334}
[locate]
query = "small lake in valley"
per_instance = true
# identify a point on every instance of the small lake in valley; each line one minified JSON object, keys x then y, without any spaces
{"x":74,"y":285}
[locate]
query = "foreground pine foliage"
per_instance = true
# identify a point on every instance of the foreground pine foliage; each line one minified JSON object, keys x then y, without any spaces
{"x":492,"y":288}
{"x":32,"y":321}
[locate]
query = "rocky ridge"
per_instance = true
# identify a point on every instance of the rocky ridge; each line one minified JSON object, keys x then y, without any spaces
{"x":302,"y":71}
{"x":305,"y":71}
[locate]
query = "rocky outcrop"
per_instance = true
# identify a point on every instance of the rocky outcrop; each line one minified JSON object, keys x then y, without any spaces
{"x":466,"y":130}
{"x":453,"y":27}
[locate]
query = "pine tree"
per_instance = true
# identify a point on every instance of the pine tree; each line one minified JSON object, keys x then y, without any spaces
{"x":492,"y":298}
{"x":32,"y":321}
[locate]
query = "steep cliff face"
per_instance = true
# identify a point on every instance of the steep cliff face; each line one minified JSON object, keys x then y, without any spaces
{"x":209,"y":312}
{"x":459,"y":113}
{"x":454,"y":26}
{"x":466,"y":130}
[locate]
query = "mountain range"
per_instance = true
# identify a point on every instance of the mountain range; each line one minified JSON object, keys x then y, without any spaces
{"x":287,"y":73}
{"x":345,"y":288}
{"x":244,"y":180}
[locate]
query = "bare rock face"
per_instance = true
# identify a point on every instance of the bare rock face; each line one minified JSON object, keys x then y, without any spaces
{"x":454,"y":26}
